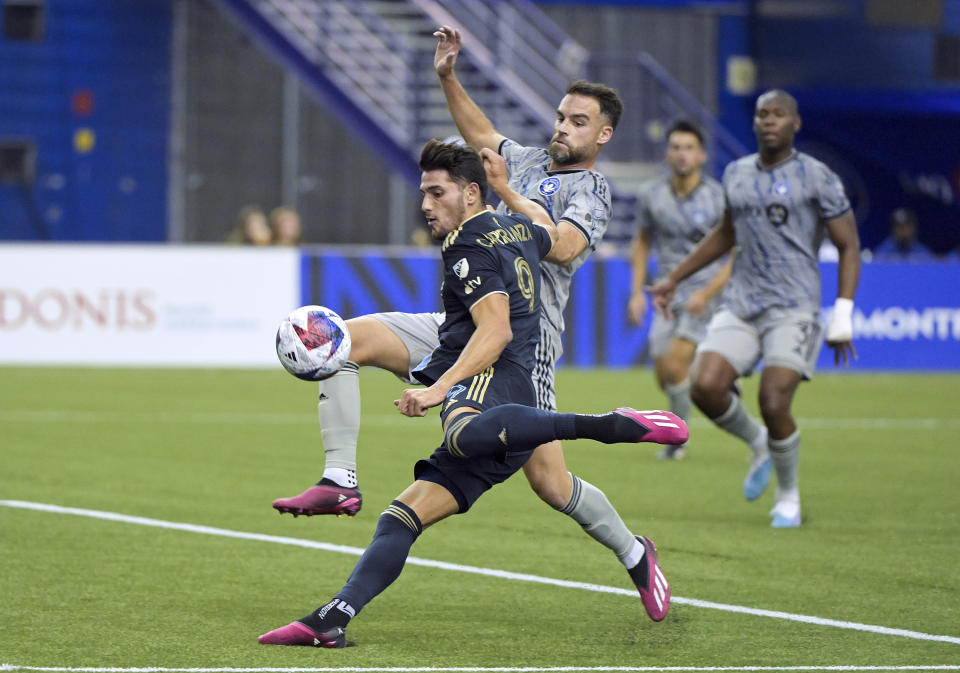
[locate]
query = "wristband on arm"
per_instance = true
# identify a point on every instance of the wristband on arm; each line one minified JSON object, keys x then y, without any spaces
{"x":841,"y":321}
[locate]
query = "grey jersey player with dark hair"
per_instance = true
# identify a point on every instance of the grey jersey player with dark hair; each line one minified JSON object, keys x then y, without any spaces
{"x":779,"y":205}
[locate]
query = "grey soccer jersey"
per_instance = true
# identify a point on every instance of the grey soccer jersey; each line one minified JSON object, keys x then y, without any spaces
{"x":676,"y":226}
{"x":581,"y":197}
{"x":778,"y":216}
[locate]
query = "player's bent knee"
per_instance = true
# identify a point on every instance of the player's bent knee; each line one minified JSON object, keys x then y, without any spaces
{"x":455,"y":440}
{"x":706,"y":390}
{"x":774,"y":404}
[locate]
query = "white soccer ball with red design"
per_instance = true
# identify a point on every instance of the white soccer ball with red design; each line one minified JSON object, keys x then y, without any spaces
{"x":313,"y":343}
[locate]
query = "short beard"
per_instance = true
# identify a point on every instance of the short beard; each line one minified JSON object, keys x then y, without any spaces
{"x":562,"y":155}
{"x":461,"y":216}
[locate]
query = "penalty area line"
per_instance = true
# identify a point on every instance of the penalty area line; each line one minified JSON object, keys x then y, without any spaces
{"x":475,"y":570}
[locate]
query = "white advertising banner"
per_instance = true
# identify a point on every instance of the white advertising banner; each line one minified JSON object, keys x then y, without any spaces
{"x":144,"y":305}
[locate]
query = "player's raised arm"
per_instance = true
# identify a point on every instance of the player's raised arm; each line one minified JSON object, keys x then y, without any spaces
{"x":472,"y":123}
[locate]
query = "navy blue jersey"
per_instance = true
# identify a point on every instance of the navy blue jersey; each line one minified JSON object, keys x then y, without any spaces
{"x":489,"y":254}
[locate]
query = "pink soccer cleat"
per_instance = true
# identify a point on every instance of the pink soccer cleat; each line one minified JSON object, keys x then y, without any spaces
{"x":651,"y":582}
{"x":322,"y":500}
{"x":299,"y":634}
{"x":663,"y":427}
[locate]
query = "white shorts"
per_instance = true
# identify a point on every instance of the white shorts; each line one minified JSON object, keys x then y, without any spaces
{"x":418,"y":332}
{"x":684,"y":325}
{"x":783,"y":338}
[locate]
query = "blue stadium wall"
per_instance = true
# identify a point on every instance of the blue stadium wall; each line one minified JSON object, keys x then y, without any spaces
{"x":93,"y":96}
{"x":907,"y":316}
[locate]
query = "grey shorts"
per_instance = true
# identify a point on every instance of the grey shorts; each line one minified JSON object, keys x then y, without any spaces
{"x":684,"y":325}
{"x":782,"y":338}
{"x":418,"y":332}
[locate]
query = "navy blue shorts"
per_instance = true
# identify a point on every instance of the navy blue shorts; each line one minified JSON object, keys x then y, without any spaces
{"x":468,"y":478}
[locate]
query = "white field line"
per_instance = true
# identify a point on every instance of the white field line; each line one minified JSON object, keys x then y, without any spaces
{"x":389,"y":420}
{"x":471,"y":669}
{"x":489,"y":572}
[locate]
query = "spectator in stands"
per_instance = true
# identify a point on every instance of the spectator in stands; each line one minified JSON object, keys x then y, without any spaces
{"x":902,"y":244}
{"x":251,"y":228}
{"x":285,"y":225}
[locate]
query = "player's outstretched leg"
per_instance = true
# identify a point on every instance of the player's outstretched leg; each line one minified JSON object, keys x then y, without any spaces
{"x":651,"y":582}
{"x":516,"y":427}
{"x":662,"y":427}
{"x":382,"y":562}
{"x":338,"y":411}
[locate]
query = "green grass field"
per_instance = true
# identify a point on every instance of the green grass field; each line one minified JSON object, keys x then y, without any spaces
{"x":880,"y":544}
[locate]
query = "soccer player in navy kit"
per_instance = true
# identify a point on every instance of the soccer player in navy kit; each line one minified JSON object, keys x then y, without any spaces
{"x":562,"y":179}
{"x":481,"y":375}
{"x":779,"y":204}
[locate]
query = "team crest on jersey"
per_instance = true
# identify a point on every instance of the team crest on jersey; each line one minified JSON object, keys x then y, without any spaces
{"x":549,"y":186}
{"x":777,"y":214}
{"x":462,"y":268}
{"x":781,"y":188}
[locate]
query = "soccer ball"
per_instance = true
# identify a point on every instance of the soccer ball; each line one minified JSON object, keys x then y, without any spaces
{"x":313,"y":343}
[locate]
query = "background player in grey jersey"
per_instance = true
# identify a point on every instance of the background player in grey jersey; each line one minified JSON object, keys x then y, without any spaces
{"x":562,"y":180}
{"x":676,"y":212}
{"x":780,"y":202}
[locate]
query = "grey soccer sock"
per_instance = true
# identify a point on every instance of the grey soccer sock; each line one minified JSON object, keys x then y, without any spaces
{"x":589,"y":507}
{"x":338,"y":411}
{"x":785,"y":454}
{"x":679,"y":395}
{"x":738,"y":422}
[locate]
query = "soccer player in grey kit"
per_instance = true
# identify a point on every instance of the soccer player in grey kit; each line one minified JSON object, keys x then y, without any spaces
{"x":779,"y":204}
{"x":676,"y":212}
